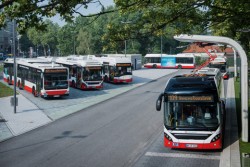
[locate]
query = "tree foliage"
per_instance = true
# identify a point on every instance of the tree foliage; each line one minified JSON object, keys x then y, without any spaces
{"x":29,"y":13}
{"x":223,"y":17}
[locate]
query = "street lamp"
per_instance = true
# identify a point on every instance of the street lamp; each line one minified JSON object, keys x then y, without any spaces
{"x":48,"y":49}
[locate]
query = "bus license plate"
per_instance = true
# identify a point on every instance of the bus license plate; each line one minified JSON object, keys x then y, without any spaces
{"x":191,"y":145}
{"x":56,"y":95}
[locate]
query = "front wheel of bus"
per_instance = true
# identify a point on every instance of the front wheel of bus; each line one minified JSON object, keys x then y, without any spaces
{"x":35,"y":94}
{"x":106,"y":78}
{"x":19,"y":85}
{"x":73,"y":85}
{"x":179,"y":67}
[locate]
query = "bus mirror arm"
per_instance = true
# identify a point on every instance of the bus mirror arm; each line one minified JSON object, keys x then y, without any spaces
{"x":158,"y":102}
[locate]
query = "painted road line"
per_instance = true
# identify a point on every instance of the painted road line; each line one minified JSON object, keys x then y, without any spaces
{"x":178,"y":155}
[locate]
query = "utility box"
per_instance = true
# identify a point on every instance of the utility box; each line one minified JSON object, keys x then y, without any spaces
{"x":245,"y":160}
{"x":12,"y":102}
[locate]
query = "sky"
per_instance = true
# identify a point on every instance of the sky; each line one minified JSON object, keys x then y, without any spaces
{"x":93,"y":8}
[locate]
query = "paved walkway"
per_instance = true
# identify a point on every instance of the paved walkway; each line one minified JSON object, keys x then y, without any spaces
{"x":27,"y":117}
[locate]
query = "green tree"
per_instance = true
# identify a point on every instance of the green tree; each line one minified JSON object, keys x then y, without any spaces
{"x":31,"y":13}
{"x":85,"y":45}
{"x":48,"y":38}
{"x":226,"y":18}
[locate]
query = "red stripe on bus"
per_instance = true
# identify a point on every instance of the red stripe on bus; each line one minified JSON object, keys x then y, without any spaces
{"x":56,"y":92}
{"x":122,"y":80}
{"x":210,"y":146}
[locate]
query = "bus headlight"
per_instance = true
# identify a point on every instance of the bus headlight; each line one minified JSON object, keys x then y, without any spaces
{"x":217,"y":137}
{"x":168,"y":137}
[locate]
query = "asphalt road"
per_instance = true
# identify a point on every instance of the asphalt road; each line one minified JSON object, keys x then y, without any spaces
{"x":123,"y":131}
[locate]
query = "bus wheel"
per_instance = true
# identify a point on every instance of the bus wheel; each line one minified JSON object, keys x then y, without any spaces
{"x":8,"y":81}
{"x":35,"y":94}
{"x":179,"y":67}
{"x":73,"y":84}
{"x":106,"y":78}
{"x":19,"y":85}
{"x":154,"y":66}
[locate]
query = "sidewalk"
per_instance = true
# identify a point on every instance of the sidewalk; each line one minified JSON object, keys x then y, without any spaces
{"x":230,"y":157}
{"x":27,"y":117}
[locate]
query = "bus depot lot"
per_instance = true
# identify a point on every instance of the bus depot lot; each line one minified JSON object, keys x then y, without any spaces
{"x":56,"y":108}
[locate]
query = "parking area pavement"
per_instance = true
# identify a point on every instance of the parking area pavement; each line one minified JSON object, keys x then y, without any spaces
{"x":35,"y":112}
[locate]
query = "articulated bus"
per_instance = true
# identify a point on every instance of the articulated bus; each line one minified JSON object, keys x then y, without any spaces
{"x":194,"y":112}
{"x":39,"y":77}
{"x":183,"y":60}
{"x":220,"y":63}
{"x":85,"y":72}
{"x":116,"y":69}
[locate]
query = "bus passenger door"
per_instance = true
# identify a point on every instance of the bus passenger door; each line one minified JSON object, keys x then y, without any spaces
{"x":78,"y":77}
{"x":38,"y":83}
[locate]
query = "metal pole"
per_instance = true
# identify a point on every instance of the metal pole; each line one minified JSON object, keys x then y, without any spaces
{"x":161,"y":49}
{"x":235,"y":64}
{"x":14,"y":68}
{"x":125,"y":48}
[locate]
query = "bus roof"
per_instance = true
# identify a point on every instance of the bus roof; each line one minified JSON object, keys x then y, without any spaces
{"x":113,"y":60}
{"x":208,"y":71}
{"x":219,"y":60}
{"x":167,"y":55}
{"x":34,"y":63}
{"x":191,"y":84}
{"x":79,"y":61}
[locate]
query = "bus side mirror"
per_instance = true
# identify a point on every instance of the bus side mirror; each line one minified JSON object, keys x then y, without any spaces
{"x":158,"y":102}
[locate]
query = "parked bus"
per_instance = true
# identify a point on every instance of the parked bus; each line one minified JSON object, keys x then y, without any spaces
{"x":220,"y":63}
{"x":214,"y":72}
{"x":116,"y":69}
{"x":179,"y":61}
{"x":194,"y":112}
{"x":85,"y":72}
{"x":39,"y":77}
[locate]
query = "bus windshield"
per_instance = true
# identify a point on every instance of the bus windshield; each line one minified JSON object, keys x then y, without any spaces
{"x":124,"y":70}
{"x":55,"y":81}
{"x":195,"y":115}
{"x":92,"y":74}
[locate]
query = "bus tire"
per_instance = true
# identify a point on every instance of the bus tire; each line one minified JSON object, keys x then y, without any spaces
{"x":106,"y":78}
{"x":35,"y":94}
{"x":73,"y":84}
{"x":8,"y":81}
{"x":179,"y":67}
{"x":154,"y":66}
{"x":19,"y":85}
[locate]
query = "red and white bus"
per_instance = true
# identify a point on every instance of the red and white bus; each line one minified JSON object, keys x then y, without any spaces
{"x":220,"y":63}
{"x":39,"y":77}
{"x":194,"y":112}
{"x":180,"y":61}
{"x":116,"y":69}
{"x":84,"y":72}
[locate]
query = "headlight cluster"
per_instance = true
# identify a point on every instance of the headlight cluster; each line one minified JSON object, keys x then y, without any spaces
{"x":217,"y":137}
{"x":168,"y":137}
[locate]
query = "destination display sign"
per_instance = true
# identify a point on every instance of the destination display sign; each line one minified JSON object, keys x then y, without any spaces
{"x":55,"y":70}
{"x":94,"y":68}
{"x":218,"y":62}
{"x":123,"y":64}
{"x":182,"y":98}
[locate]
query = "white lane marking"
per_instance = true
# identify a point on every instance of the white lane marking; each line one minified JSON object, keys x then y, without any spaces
{"x":178,"y":155}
